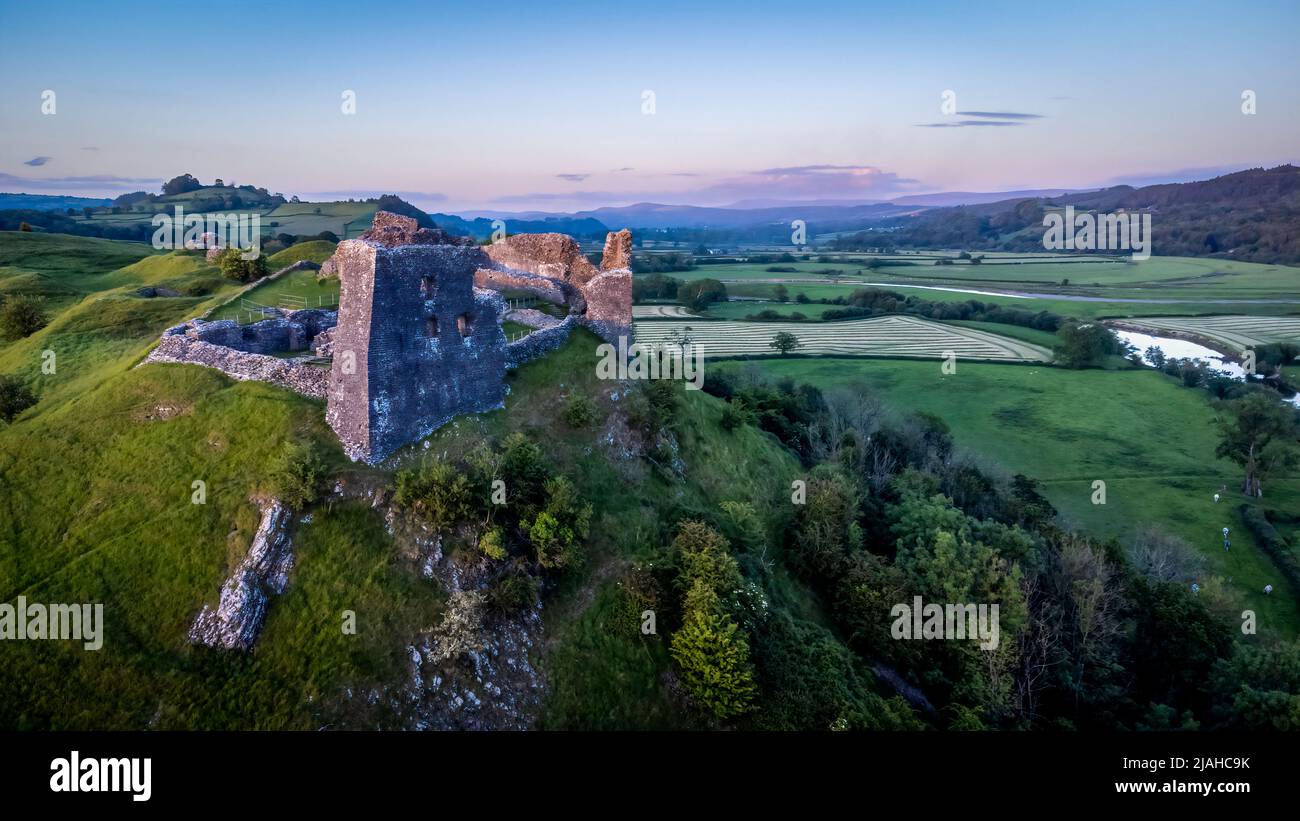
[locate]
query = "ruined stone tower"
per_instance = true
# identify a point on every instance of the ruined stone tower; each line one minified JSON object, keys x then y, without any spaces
{"x":416,"y":343}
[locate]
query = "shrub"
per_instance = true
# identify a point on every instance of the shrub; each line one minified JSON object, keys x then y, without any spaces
{"x":21,"y":316}
{"x":735,"y":415}
{"x":296,"y":475}
{"x":524,"y":469}
{"x":579,"y":412}
{"x":514,"y":591}
{"x":438,"y":492}
{"x":15,"y":397}
{"x":493,"y":544}
{"x":1273,"y":543}
{"x":557,"y":530}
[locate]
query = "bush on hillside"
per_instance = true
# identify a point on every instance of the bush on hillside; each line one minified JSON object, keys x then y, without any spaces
{"x":21,"y":316}
{"x":15,"y":397}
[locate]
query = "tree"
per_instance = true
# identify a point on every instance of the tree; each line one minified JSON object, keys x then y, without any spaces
{"x":25,"y":226}
{"x":180,"y":185}
{"x":1258,"y":433}
{"x":712,"y":655}
{"x":700,"y":293}
{"x":15,"y":397}
{"x":20,"y":316}
{"x":1084,"y":346}
{"x":234,"y":266}
{"x":784,"y":342}
{"x":1156,"y":356}
{"x":781,"y":293}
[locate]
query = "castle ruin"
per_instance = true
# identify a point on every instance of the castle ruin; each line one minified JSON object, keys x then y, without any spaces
{"x":417,"y":338}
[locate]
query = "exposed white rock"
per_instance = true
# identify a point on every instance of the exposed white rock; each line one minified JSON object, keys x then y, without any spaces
{"x":238,"y":618}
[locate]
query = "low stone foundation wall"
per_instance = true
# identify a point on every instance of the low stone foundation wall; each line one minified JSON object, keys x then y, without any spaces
{"x":292,"y":331}
{"x":540,"y":343}
{"x":548,"y":290}
{"x":532,"y":318}
{"x":177,"y":345}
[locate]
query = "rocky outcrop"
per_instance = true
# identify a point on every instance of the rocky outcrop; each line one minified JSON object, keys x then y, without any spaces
{"x":264,"y":572}
{"x":178,"y":346}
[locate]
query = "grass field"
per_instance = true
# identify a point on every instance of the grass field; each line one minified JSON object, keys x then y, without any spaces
{"x":879,"y":336}
{"x":1236,"y":333}
{"x":661,"y":312}
{"x":344,"y":219}
{"x":296,"y":289}
{"x":1084,"y":287}
{"x":1150,"y":440}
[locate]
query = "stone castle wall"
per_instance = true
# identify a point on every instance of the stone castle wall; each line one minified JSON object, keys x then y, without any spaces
{"x":178,"y":345}
{"x":415,"y":344}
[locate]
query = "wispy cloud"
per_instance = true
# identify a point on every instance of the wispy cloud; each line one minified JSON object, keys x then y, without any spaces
{"x":572,"y":177}
{"x":1000,"y":115}
{"x":971,"y":124}
{"x":788,"y":183}
{"x":369,"y":193}
{"x":985,"y":119}
{"x":96,"y":183}
{"x":34,"y":161}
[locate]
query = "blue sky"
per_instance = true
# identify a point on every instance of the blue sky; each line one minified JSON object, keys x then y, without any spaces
{"x":512,"y":106}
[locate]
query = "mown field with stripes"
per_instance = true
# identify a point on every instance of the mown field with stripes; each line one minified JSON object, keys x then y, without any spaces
{"x":878,"y":336}
{"x":1235,"y":332}
{"x":661,"y":312}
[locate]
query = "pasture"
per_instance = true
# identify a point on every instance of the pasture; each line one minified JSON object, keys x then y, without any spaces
{"x":879,"y":336}
{"x":1149,"y":439}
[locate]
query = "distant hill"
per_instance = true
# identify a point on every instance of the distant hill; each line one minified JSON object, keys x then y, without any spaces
{"x":976,"y":198}
{"x":1252,"y":215}
{"x":48,"y":202}
{"x":481,"y":227}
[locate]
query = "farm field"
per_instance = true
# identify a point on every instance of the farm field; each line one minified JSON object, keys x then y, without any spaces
{"x":345,"y":219}
{"x":1150,"y":440}
{"x":1087,"y":288}
{"x":1235,"y":332}
{"x":661,"y":312}
{"x":879,"y":336}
